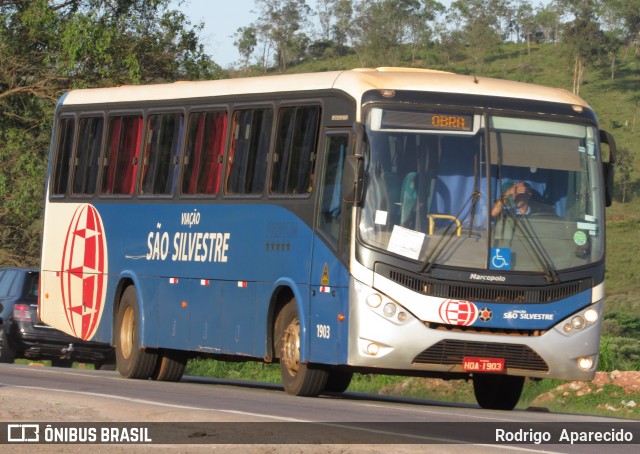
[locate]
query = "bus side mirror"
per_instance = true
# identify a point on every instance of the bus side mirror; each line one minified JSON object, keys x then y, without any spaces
{"x":607,"y":167}
{"x":353,"y":172}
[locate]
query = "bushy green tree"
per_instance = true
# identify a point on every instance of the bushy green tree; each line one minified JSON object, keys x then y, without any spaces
{"x":383,"y":27}
{"x":48,"y":47}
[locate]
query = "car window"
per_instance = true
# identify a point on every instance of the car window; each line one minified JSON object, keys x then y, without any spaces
{"x":6,"y":283}
{"x":31,"y":284}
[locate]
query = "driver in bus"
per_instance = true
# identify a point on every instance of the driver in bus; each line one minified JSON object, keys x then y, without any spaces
{"x":518,"y":197}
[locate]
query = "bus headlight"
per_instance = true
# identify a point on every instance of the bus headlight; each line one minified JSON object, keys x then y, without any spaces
{"x":585,"y":363}
{"x":578,"y":322}
{"x":581,"y":320}
{"x":591,"y":316}
{"x":389,"y":310}
{"x":382,"y":305}
{"x":374,"y":300}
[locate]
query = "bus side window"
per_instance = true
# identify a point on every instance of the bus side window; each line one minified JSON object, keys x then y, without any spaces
{"x":63,"y":156}
{"x":121,"y":155}
{"x":206,"y":139}
{"x":247,"y":162}
{"x":294,"y":157}
{"x":331,"y":204}
{"x":160,"y":160}
{"x":87,"y":158}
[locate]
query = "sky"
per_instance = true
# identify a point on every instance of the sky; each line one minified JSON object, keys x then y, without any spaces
{"x":221,"y":18}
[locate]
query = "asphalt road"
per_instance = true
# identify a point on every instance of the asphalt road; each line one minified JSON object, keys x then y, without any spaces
{"x":198,"y":410}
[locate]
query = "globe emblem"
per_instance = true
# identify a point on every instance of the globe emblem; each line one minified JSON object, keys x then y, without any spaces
{"x":83,"y":280}
{"x":458,"y":312}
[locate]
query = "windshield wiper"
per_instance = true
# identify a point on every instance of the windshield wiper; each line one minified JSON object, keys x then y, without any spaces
{"x":544,"y":260}
{"x":449,"y":232}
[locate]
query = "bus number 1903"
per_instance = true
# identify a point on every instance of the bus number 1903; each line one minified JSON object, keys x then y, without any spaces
{"x":323,"y":331}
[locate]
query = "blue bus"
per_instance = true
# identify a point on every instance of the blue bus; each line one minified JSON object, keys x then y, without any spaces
{"x":389,"y":220}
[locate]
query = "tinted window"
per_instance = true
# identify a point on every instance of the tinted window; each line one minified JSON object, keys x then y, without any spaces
{"x":205,"y":149}
{"x":331,"y":204}
{"x":63,"y":156}
{"x":160,"y":159}
{"x":87,"y":159}
{"x":31,"y":284}
{"x":121,"y":155}
{"x":294,"y":155}
{"x":6,"y":282}
{"x":247,"y":162}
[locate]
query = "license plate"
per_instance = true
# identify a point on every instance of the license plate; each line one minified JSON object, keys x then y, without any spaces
{"x":473,"y":364}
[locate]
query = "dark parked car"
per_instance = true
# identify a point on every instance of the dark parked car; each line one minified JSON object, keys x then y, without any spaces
{"x":23,"y":335}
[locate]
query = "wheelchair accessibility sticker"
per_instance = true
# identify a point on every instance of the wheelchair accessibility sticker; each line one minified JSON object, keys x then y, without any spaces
{"x":500,"y":258}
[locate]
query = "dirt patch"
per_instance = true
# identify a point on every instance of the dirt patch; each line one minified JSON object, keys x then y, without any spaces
{"x":622,"y":389}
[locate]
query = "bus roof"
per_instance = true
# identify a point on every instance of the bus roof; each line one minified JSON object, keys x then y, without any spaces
{"x":353,"y":82}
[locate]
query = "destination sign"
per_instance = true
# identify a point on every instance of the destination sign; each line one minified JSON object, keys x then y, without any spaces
{"x":441,"y":121}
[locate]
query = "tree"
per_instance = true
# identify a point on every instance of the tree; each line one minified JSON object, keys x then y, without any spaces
{"x":49,"y":47}
{"x":624,"y":168}
{"x":281,"y":27}
{"x":421,"y":27}
{"x":483,"y":24}
{"x":583,"y":39}
{"x":246,"y":40}
{"x":383,"y":27}
{"x":335,"y":20}
{"x":548,"y":19}
{"x":625,"y":16}
{"x":524,"y":24}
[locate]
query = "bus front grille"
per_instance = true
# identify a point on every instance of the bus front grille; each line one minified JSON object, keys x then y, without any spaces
{"x":489,"y":293}
{"x":451,"y":352}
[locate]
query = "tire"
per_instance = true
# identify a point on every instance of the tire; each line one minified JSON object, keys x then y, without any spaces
{"x":7,"y":354}
{"x":132,"y":360}
{"x":59,"y":362}
{"x":497,"y":392}
{"x":169,"y":366}
{"x":298,"y":379}
{"x":338,"y":381}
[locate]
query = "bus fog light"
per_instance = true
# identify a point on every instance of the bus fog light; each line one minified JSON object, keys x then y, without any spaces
{"x":389,"y":309}
{"x":591,"y":316}
{"x":402,"y":316}
{"x":373,"y":349}
{"x":567,"y":327}
{"x":585,"y":363}
{"x":578,"y":322}
{"x":374,"y":300}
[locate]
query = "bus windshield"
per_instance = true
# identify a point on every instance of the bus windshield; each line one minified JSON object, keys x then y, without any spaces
{"x":482,"y":192}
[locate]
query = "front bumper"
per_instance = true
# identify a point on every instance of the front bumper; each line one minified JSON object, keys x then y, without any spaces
{"x":48,"y":343}
{"x":406,"y":344}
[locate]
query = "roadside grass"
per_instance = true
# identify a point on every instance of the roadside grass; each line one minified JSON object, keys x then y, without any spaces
{"x":623,"y":260}
{"x":47,"y":363}
{"x":538,"y":395}
{"x":569,"y":397}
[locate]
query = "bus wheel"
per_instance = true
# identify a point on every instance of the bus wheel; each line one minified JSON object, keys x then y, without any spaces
{"x":297,"y":378}
{"x":497,"y":392}
{"x":132,"y":361}
{"x":338,"y":381}
{"x":169,"y":366}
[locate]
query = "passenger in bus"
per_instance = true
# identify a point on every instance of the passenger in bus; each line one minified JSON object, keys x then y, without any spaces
{"x":519,"y":197}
